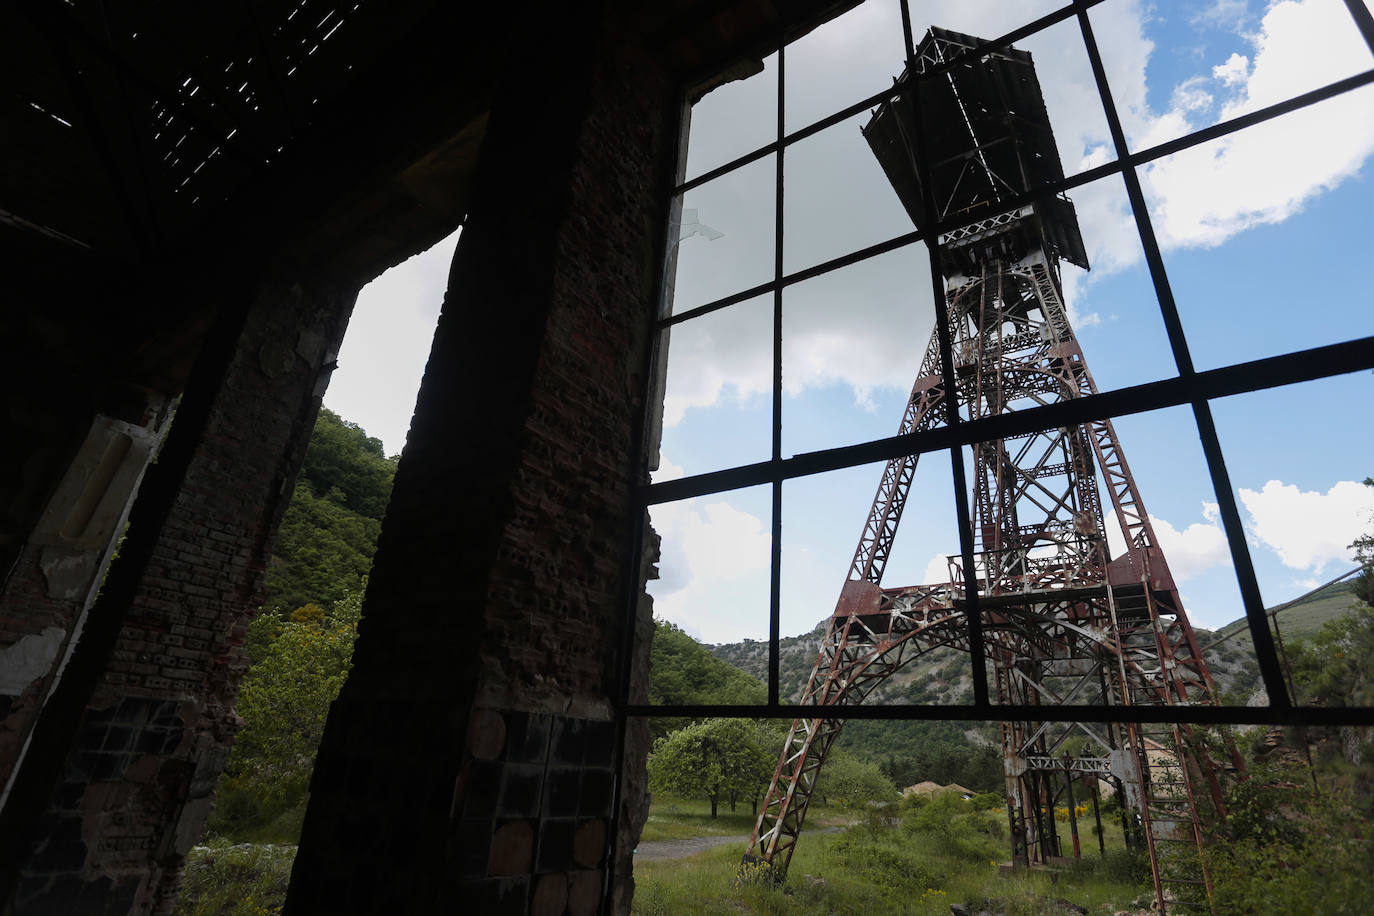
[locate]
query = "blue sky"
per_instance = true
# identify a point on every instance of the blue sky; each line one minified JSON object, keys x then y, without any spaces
{"x":1266,"y":238}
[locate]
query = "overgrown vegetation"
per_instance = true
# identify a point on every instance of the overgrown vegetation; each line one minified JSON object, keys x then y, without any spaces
{"x":934,"y":852}
{"x":242,"y":880}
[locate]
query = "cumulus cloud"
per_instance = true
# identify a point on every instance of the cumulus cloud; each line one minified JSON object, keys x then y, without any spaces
{"x":1197,"y":548}
{"x":1192,"y":95}
{"x":1308,"y":529}
{"x":1228,"y":14}
{"x":1265,"y":174}
{"x":1191,"y":551}
{"x":1234,"y":72}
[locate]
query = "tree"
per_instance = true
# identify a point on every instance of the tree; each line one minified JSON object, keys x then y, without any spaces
{"x":329,"y":532}
{"x":323,"y":550}
{"x":683,"y":672}
{"x":342,"y":457}
{"x":1364,"y":553}
{"x":852,"y":782}
{"x":1292,"y":848}
{"x":719,"y":760}
{"x":284,"y":698}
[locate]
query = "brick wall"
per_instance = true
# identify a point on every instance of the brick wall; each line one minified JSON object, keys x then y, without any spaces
{"x":472,"y":758}
{"x":163,"y":660}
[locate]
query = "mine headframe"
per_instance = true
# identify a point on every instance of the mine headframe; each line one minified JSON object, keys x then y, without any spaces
{"x":973,"y":128}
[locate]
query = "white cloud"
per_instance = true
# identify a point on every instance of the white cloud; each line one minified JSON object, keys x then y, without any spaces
{"x":937,"y":570}
{"x":1191,"y":95}
{"x":713,"y":571}
{"x":1225,"y":14}
{"x":1191,"y":551}
{"x":1195,"y":549}
{"x":1263,"y":175}
{"x":1309,"y":529}
{"x":1234,"y":72}
{"x":387,"y":344}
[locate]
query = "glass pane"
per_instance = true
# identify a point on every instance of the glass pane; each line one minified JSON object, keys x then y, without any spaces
{"x":1297,"y":462}
{"x":1266,"y":232}
{"x":725,"y":237}
{"x":717,"y":406}
{"x":1071,"y":98}
{"x":1112,"y":306}
{"x":1040,"y":530}
{"x":824,"y":520}
{"x":853,"y":340}
{"x":842,"y":61}
{"x":1178,"y":69}
{"x":837,"y":198}
{"x":734,"y":118}
{"x":987,"y":19}
{"x":713,"y":567}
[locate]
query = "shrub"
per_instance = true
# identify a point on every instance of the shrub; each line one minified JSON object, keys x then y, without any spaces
{"x":877,"y":857}
{"x":1292,"y":849}
{"x":955,"y":823}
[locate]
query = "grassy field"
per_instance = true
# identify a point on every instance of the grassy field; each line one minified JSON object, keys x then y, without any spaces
{"x":918,"y":865}
{"x":676,"y":819}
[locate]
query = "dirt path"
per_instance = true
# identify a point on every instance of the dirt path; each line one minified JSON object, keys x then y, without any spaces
{"x":688,"y":846}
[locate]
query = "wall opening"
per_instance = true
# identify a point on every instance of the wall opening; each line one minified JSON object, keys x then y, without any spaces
{"x":300,"y":644}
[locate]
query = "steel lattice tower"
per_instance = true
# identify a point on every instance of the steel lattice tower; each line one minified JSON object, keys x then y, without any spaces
{"x":1063,"y":621}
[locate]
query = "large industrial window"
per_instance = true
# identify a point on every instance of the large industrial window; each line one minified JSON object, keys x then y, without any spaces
{"x":1122,"y":256}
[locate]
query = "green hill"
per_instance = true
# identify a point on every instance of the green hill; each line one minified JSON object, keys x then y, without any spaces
{"x":1306,"y":615}
{"x":329,"y":532}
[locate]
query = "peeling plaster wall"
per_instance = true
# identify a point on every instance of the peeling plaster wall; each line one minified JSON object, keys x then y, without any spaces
{"x":51,"y":586}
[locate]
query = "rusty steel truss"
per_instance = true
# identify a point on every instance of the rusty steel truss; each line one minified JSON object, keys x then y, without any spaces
{"x":1065,"y":619}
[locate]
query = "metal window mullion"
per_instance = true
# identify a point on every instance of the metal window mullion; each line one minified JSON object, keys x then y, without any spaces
{"x":775,"y":555}
{"x":1364,"y":21}
{"x":1257,"y":375}
{"x":1261,"y":638}
{"x":1046,"y":191}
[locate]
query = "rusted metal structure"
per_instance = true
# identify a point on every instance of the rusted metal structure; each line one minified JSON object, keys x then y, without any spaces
{"x":1062,"y":621}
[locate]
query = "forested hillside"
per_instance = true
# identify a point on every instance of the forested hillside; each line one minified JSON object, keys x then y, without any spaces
{"x":329,"y":532}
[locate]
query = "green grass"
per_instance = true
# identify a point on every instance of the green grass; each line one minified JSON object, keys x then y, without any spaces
{"x":905,"y":869}
{"x":238,"y":880}
{"x":678,"y":819}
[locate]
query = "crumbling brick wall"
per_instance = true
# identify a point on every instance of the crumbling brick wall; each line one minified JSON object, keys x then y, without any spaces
{"x":157,"y":670}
